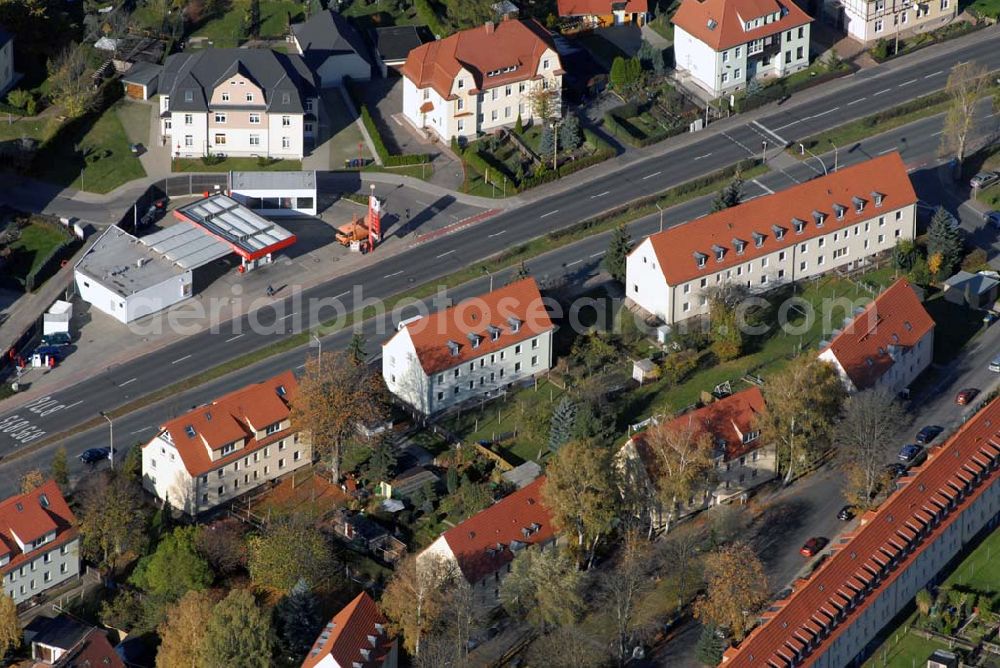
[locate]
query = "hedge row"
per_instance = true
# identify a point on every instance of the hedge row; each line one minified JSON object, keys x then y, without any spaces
{"x":49,"y":265}
{"x":781,"y":88}
{"x":616,"y":121}
{"x":389,"y":159}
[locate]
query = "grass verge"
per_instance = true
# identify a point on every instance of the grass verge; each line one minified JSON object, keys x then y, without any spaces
{"x":235,"y":165}
{"x":557,"y":239}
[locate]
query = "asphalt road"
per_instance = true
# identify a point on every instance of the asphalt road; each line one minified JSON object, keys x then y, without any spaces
{"x":578,"y":262}
{"x":869,"y":91}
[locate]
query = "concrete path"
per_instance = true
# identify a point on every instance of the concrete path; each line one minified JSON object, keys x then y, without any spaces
{"x":655,"y":39}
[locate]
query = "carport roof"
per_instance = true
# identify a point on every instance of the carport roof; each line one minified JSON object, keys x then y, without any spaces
{"x":142,"y":73}
{"x":186,"y":245}
{"x":273,"y":180}
{"x":250,"y":235}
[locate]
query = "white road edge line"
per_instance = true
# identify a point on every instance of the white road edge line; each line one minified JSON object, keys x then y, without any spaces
{"x":342,"y":294}
{"x":888,"y":150}
{"x":906,"y":83}
{"x":446,"y":253}
{"x":939,"y":132}
{"x":286,"y":317}
{"x":395,"y":274}
{"x":703,"y":156}
{"x":570,"y":264}
{"x":496,"y":234}
{"x":181,"y":359}
{"x":770,"y":132}
{"x":884,"y":90}
{"x":553,"y":211}
{"x":130,"y":380}
{"x":649,"y":176}
{"x":763,"y":187}
{"x":933,"y":74}
{"x":606,"y":192}
{"x":598,"y":254}
{"x":233,"y":338}
{"x":76,"y":403}
{"x":860,"y":99}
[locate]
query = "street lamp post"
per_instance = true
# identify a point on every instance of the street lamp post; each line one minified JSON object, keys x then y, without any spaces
{"x":319,"y":356}
{"x":111,"y":435}
{"x":487,"y":272}
{"x":836,"y":153}
{"x":660,"y":209}
{"x":555,"y":144}
{"x":763,"y":151}
{"x":803,"y":150}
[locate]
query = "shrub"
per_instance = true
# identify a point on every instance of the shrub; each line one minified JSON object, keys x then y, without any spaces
{"x":19,"y":98}
{"x":429,"y":17}
{"x":212,"y":159}
{"x":678,"y":366}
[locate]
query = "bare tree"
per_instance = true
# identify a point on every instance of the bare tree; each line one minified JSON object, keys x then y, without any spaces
{"x":683,"y":457}
{"x":871,"y":420}
{"x":71,"y":89}
{"x":624,"y":585}
{"x":967,"y":82}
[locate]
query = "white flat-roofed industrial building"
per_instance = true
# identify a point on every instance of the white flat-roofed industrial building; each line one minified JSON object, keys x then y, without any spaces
{"x":276,"y":193}
{"x":126,"y":278}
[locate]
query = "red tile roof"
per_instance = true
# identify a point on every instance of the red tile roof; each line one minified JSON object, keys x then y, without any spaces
{"x":483,"y":543}
{"x":521,"y":301}
{"x":600,"y":7}
{"x":876,"y":553}
{"x":233,"y":417}
{"x":725,"y":420}
{"x":727,"y":18}
{"x":676,"y":247}
{"x":513,"y":43}
{"x":95,"y":651}
{"x":895,"y":318}
{"x":31,"y":516}
{"x":359,"y":626}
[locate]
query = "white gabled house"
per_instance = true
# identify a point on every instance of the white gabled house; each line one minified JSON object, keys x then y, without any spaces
{"x":887,"y":345}
{"x":722,"y":45}
{"x":474,"y":349}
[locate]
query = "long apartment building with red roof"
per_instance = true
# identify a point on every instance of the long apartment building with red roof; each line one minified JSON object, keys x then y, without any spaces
{"x":742,"y":460}
{"x":39,"y":542}
{"x":886,"y":345}
{"x":479,"y":551}
{"x":723,"y":45}
{"x":872,"y":572}
{"x":219,"y":451}
{"x":474,"y":349}
{"x":481,"y":79}
{"x":838,"y":221}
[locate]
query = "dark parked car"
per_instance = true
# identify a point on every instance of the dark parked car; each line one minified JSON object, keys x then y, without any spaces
{"x":911,"y":453}
{"x":813,"y":546}
{"x":928,"y":434}
{"x":846,"y":513}
{"x":896,"y":470}
{"x":57,"y":339}
{"x":94,"y":455}
{"x":966,"y":396}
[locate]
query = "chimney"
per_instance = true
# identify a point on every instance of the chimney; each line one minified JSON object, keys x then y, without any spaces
{"x":489,"y":27}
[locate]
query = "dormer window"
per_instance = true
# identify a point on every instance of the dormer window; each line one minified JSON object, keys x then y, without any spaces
{"x":453,"y":348}
{"x":819,"y":217}
{"x":758,"y":239}
{"x":701,"y":259}
{"x":189,"y":96}
{"x":877,"y":196}
{"x":272,"y":428}
{"x":286,"y":98}
{"x":494,"y":332}
{"x":799,"y":225}
{"x":859,"y":204}
{"x":779,"y":232}
{"x":475,"y":339}
{"x":227,"y":448}
{"x":189,"y":430}
{"x":739,"y":245}
{"x":515,"y":324}
{"x":719,"y":251}
{"x":840,"y":210}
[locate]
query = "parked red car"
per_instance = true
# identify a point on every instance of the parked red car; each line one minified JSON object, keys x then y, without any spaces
{"x":813,"y":546}
{"x":966,"y":396}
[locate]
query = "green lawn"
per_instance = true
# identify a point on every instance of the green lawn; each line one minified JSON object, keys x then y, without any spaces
{"x":382,"y":13}
{"x":830,"y":299}
{"x":506,"y":416}
{"x":134,"y":117}
{"x":223,"y":31}
{"x":36,"y":242}
{"x":981,"y":569}
{"x":235,"y":165}
{"x":97,"y":161}
{"x":347,"y":139}
{"x":16,"y":127}
{"x":989,"y":8}
{"x":904,"y":650}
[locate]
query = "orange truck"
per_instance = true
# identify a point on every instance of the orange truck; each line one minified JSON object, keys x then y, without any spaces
{"x":353,"y":232}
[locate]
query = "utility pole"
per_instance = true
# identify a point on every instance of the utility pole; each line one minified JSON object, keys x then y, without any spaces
{"x":555,"y":144}
{"x":319,"y":356}
{"x":803,"y":150}
{"x":111,"y":434}
{"x":836,"y":154}
{"x":763,"y":151}
{"x":660,"y":209}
